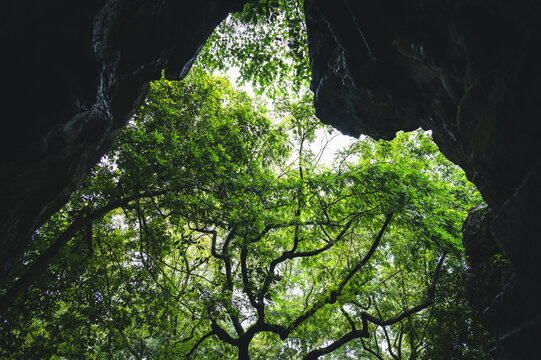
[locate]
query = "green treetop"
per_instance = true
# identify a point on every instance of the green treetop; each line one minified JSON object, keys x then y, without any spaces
{"x":209,"y":232}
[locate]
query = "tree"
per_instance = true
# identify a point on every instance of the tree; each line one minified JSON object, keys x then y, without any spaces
{"x":191,"y":145}
{"x":267,"y":42}
{"x":210,"y":232}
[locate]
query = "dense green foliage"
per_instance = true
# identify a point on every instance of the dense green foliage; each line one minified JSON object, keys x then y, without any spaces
{"x":210,"y":232}
{"x":267,"y":43}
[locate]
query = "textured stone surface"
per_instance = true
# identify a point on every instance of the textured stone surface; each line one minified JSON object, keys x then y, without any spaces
{"x":468,"y":71}
{"x":488,"y":271}
{"x":515,"y":315}
{"x":465,"y":70}
{"x":73,"y":73}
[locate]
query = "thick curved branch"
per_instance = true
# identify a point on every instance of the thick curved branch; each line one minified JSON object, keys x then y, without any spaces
{"x":353,"y":334}
{"x":228,"y":271}
{"x":222,"y":334}
{"x":333,"y":295}
{"x":247,"y":284}
{"x":229,"y":279}
{"x":279,"y":330}
{"x":214,"y":234}
{"x":291,"y":254}
{"x":199,"y":342}
{"x":367,"y":256}
{"x":428,"y":301}
{"x":365,"y":317}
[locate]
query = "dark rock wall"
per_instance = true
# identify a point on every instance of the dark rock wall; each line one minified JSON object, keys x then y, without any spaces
{"x":468,"y":71}
{"x":73,"y":73}
{"x":488,"y":270}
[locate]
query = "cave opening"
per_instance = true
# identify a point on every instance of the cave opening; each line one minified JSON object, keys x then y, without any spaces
{"x":223,"y":235}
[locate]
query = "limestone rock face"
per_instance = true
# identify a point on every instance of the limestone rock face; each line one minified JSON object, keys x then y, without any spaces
{"x":515,"y":316}
{"x":467,"y":71}
{"x":73,"y":73}
{"x":488,"y":271}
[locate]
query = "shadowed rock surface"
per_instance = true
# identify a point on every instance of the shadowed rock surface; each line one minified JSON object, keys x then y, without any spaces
{"x":74,"y":72}
{"x":468,"y":72}
{"x":488,"y":271}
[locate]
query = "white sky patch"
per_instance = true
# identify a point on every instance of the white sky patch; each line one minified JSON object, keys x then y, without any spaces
{"x":325,"y":145}
{"x":234,"y":74}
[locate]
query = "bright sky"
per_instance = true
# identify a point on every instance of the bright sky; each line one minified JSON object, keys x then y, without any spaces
{"x":332,"y":143}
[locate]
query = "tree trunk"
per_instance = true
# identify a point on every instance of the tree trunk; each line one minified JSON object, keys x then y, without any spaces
{"x":243,"y":350}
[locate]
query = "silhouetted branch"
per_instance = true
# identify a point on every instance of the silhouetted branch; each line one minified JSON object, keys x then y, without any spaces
{"x":365,"y":317}
{"x":45,"y":258}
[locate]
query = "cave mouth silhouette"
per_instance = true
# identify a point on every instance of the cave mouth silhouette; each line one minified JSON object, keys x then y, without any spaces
{"x":475,"y":79}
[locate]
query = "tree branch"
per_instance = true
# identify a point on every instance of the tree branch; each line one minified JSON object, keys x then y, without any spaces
{"x":222,"y":334}
{"x":333,"y":295}
{"x":371,"y":351}
{"x":199,"y":342}
{"x":428,"y":301}
{"x":354,"y":333}
{"x":365,"y":317}
{"x":45,"y":258}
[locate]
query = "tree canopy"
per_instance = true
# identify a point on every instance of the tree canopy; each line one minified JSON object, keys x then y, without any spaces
{"x":212,"y":232}
{"x":267,"y":42}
